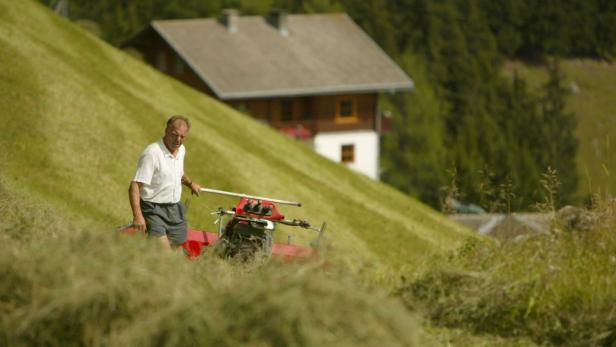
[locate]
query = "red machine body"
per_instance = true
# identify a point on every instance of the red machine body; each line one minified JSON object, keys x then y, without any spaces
{"x":258,"y":209}
{"x":248,"y":213}
{"x":198,"y":241}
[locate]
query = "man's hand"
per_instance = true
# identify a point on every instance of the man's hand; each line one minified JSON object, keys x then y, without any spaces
{"x":134,"y":198}
{"x":195,"y":188}
{"x":139,"y":223}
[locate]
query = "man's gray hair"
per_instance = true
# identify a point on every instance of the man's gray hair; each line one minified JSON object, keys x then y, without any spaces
{"x":178,"y":117}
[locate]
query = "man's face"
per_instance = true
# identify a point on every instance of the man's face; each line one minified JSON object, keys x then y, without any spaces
{"x":174,"y":135}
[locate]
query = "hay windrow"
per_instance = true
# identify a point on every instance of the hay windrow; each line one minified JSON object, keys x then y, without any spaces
{"x":99,"y":289}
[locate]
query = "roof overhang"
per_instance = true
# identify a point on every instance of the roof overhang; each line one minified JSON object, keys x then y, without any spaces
{"x":329,"y":90}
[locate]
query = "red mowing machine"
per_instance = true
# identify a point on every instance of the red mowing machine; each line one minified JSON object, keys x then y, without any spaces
{"x":249,"y":230}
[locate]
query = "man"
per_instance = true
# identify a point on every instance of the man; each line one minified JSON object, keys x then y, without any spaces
{"x":156,"y":189}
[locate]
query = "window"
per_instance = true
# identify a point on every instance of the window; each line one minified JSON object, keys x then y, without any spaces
{"x":346,"y":110}
{"x":179,"y":66}
{"x":347,"y":154}
{"x":286,"y":110}
{"x":241,"y":106}
{"x":306,"y":110}
{"x":161,"y":61}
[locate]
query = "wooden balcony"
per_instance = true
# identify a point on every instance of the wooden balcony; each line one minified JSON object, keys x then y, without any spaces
{"x":309,"y":128}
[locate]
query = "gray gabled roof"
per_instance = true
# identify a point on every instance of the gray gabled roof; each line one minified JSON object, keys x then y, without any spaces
{"x":322,"y":54}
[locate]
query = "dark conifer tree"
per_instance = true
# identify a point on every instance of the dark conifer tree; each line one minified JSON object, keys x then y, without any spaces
{"x":413,"y":152}
{"x":521,"y":128}
{"x":605,"y":30}
{"x":559,"y":147}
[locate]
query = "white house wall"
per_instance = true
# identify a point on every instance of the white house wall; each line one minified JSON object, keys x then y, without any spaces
{"x":366,"y":144}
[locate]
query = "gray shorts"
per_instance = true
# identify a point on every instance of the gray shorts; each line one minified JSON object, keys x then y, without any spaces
{"x":165,"y":219}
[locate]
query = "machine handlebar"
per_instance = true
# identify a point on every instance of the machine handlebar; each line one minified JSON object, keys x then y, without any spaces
{"x":240,"y":195}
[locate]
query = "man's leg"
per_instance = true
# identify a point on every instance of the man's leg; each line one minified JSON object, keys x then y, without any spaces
{"x":178,"y":227}
{"x":167,"y":224}
{"x":156,"y":230}
{"x":155,"y":225}
{"x":164,"y":240}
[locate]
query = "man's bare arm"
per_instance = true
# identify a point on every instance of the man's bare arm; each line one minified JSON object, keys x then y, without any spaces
{"x":194,"y":186}
{"x":134,"y":197}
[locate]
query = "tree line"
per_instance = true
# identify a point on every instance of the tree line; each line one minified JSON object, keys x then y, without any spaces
{"x":466,"y":127}
{"x":488,"y":139}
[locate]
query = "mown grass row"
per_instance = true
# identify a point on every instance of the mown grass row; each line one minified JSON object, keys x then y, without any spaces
{"x":558,"y":289}
{"x":95,"y":288}
{"x":69,"y":283}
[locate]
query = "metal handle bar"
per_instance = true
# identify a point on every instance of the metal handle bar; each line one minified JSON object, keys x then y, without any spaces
{"x":239,"y":195}
{"x":221,"y":211}
{"x":296,"y":223}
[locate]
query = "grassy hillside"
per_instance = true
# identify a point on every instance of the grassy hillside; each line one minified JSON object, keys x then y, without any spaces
{"x":592,"y":86}
{"x":77,"y":113}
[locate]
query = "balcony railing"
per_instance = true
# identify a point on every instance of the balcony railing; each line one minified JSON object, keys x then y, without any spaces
{"x":310,"y":127}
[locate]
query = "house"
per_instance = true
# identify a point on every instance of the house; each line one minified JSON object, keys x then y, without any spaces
{"x":315,"y":77}
{"x":505,"y":226}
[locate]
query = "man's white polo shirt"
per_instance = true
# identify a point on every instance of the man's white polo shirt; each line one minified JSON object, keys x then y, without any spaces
{"x":161,"y":173}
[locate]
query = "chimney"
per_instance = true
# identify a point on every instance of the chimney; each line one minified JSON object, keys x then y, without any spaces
{"x":278,"y":19}
{"x":229,"y":19}
{"x":61,"y":8}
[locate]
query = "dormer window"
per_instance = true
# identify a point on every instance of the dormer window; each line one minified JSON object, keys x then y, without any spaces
{"x":346,"y":110}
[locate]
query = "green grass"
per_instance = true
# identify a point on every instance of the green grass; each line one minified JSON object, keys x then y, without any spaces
{"x":556,"y":289}
{"x":592,"y":86}
{"x":75,"y":115}
{"x":90,"y":288}
{"x":77,"y":112}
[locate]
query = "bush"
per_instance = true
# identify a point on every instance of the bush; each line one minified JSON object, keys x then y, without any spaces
{"x":558,"y":289}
